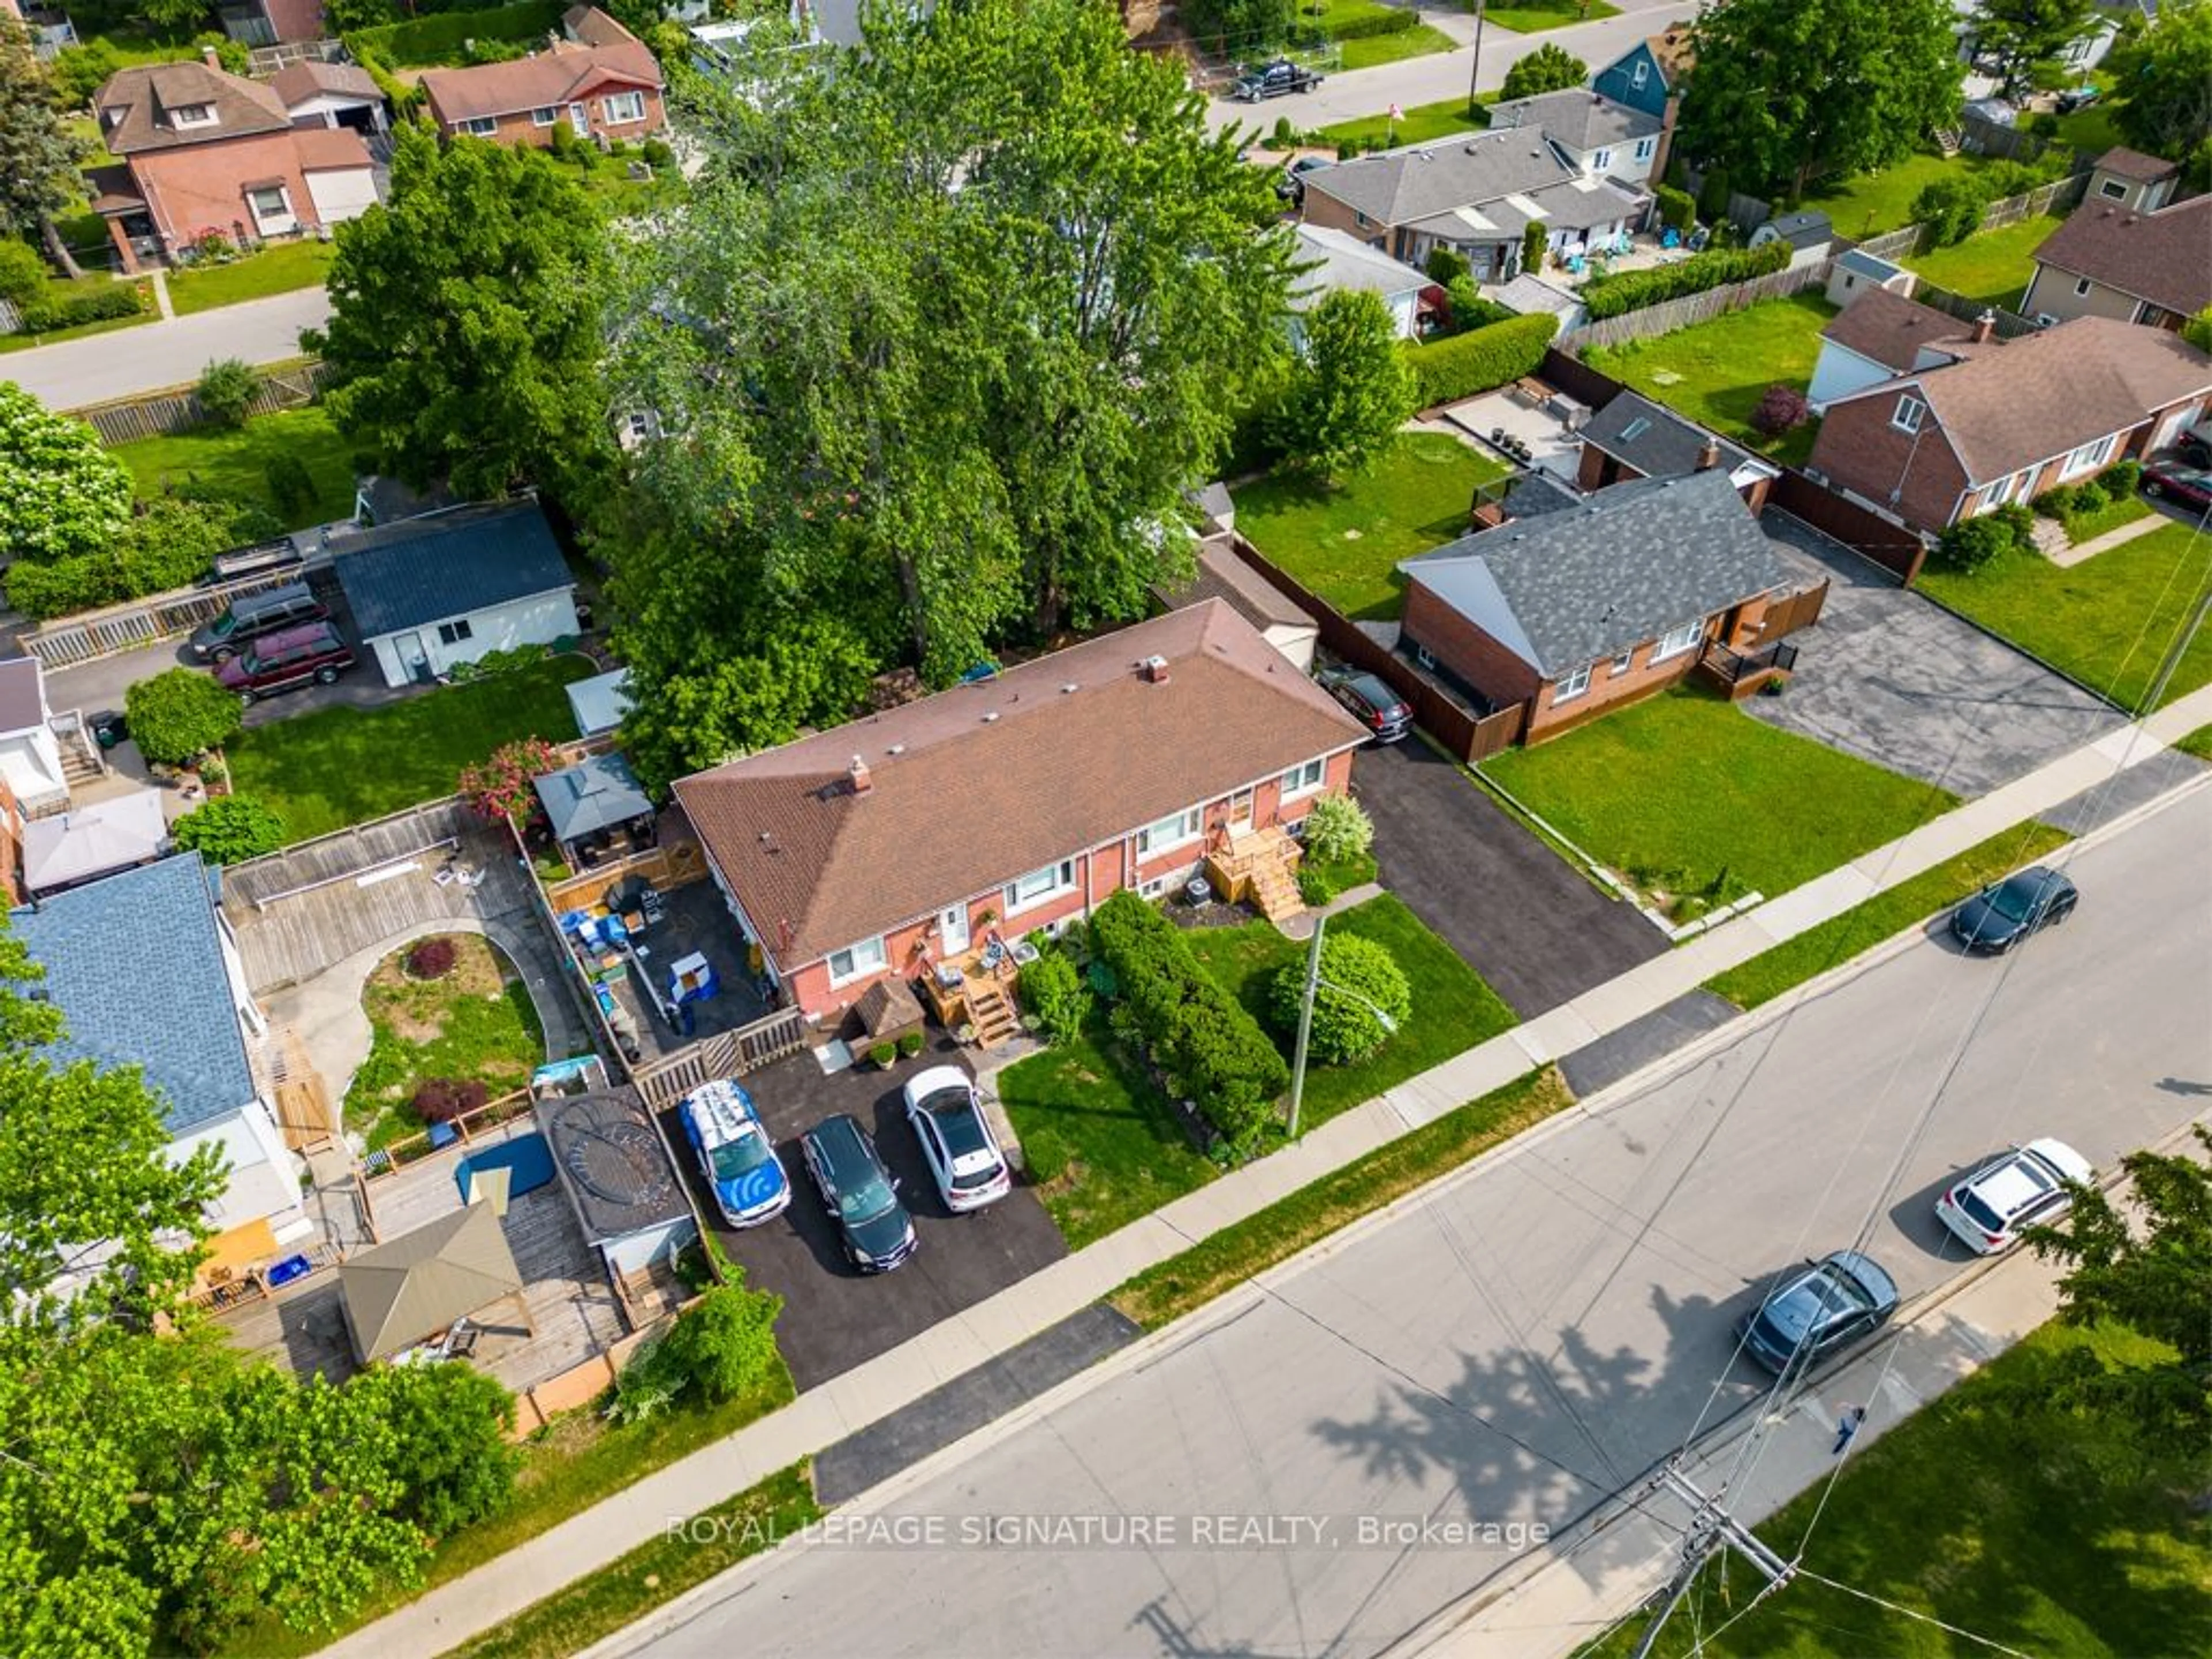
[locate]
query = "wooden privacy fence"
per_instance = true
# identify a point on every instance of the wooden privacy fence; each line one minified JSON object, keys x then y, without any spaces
{"x":90,"y":635}
{"x":1470,"y":736}
{"x":155,"y":415}
{"x":1670,"y":314}
{"x":1800,"y":609}
{"x":729,"y":1053}
{"x":1885,"y":541}
{"x":2057,"y":197}
{"x":675,"y":865}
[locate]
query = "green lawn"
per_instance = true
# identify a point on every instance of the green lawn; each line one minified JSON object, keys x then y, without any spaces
{"x":475,"y":1024}
{"x":1688,"y":796}
{"x":1862,"y":927}
{"x":2097,"y":520}
{"x":653,"y":1573}
{"x":60,"y":288}
{"x":1414,"y":126}
{"x":2108,"y":621}
{"x":1102,"y":1144}
{"x":2046,"y":1530}
{"x":2197,"y":743}
{"x":1715,"y":373}
{"x":1379,"y":49}
{"x":275,"y":270}
{"x":236,"y":462}
{"x":1534,"y":17}
{"x":1991,"y":267}
{"x":1871,"y":203}
{"x":1218,"y":1264}
{"x":2092,"y":130}
{"x":569,"y":1465}
{"x":1453,"y":1008}
{"x":1344,"y":540}
{"x":339,"y":766}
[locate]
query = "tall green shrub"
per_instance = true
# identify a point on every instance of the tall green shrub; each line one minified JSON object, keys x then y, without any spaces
{"x":1053,"y":993}
{"x":1479,"y":360}
{"x":1632,"y":290}
{"x":1358,"y":976}
{"x":1677,"y":209}
{"x":1338,"y":829}
{"x":179,"y":715}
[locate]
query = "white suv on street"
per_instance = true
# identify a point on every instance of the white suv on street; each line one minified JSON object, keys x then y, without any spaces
{"x":2024,"y":1188}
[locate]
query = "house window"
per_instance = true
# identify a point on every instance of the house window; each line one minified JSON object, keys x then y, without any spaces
{"x":1602,"y":159}
{"x":623,"y":107}
{"x":453,"y":633}
{"x":192,"y":115}
{"x":1169,"y":832}
{"x":545,"y":115}
{"x":2001,"y":491}
{"x":1573,"y":685}
{"x":640,"y":426}
{"x":1302,"y":780}
{"x":1906,"y":415}
{"x":2089,"y":458}
{"x":1644,"y":147}
{"x":1639,"y":75}
{"x":1359,"y":219}
{"x":1674,"y":642}
{"x":2081,"y":288}
{"x":481,"y":126}
{"x":1038,"y":885}
{"x":2113,"y":190}
{"x":1625,"y":661}
{"x":856,"y":960}
{"x":269,"y":205}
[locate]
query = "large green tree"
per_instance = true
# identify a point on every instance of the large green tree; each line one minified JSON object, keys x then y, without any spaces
{"x":61,"y":493}
{"x":39,"y":173}
{"x":2022,"y":33}
{"x":1548,"y":69}
{"x":951,"y":325}
{"x":2165,"y":78}
{"x":1351,"y":390}
{"x":1787,"y":92}
{"x":467,"y":324}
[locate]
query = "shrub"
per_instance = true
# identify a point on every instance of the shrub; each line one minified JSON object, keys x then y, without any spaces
{"x":1479,"y":360}
{"x":432,"y":959}
{"x":1782,"y":409}
{"x":2057,"y":502}
{"x":2043,"y":124}
{"x":884,"y":1055}
{"x":721,"y":1346}
{"x":2121,"y":479}
{"x":503,"y":787}
{"x":1344,"y":1028}
{"x":1535,"y":240}
{"x":229,"y":830}
{"x":2091,"y":494}
{"x":1447,"y":265}
{"x":1713,"y":193}
{"x":1337,"y":830}
{"x":22,"y":272}
{"x":442,"y":1429}
{"x":169,"y":544}
{"x":227,"y":390}
{"x":1208,"y":1049}
{"x":101,"y":304}
{"x":1366,"y":25}
{"x":1054,"y":994}
{"x":291,"y":486}
{"x":1677,"y":207}
{"x":442,"y":1099}
{"x":1973,"y":543}
{"x":1548,"y":69}
{"x":178,"y":715}
{"x":911,"y":1045}
{"x":657,"y":154}
{"x":1950,"y":209}
{"x":1632,"y":290}
{"x":1469,"y":310}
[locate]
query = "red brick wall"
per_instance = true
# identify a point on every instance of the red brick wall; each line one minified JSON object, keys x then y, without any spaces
{"x":200,"y":189}
{"x":1608,"y":690}
{"x":1859,"y":450}
{"x":1327,"y":210}
{"x":520,"y":129}
{"x":1459,"y":645}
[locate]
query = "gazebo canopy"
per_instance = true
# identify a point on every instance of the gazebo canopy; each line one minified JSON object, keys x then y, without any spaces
{"x":400,"y":1292}
{"x":595,"y":794}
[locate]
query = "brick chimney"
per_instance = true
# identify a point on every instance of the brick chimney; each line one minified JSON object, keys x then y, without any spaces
{"x":211,"y":57}
{"x":1156,"y":670}
{"x":858,"y":774}
{"x":1985,"y":328}
{"x":1709,"y":456}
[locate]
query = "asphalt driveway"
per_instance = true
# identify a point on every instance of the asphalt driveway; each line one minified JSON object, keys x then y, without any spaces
{"x":1538,"y":931}
{"x":834,"y":1317}
{"x":1894,"y":678}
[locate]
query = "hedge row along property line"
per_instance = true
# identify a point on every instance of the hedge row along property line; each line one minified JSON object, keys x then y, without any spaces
{"x":1481,"y":360}
{"x":1632,"y":290}
{"x":1208,"y":1049}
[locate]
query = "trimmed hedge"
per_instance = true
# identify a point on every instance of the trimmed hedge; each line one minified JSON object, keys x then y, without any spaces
{"x":442,"y":39}
{"x":1632,"y":290}
{"x":1208,"y":1049}
{"x":121,"y":301}
{"x":1367,"y":25}
{"x":1678,"y":210}
{"x":1480,"y":360}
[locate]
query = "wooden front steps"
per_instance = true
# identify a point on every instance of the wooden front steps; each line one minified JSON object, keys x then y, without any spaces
{"x":1275,"y":890}
{"x":1262,"y":869}
{"x":991,"y":1013}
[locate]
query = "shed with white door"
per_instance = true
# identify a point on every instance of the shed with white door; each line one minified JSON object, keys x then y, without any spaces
{"x":449,"y":587}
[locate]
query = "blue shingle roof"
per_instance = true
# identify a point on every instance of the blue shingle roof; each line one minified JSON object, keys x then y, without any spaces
{"x":425,"y":570}
{"x":133,"y":962}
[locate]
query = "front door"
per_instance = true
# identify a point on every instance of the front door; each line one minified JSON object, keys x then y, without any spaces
{"x":952,"y":930}
{"x":581,"y":119}
{"x":1240,"y":814}
{"x":413,"y":658}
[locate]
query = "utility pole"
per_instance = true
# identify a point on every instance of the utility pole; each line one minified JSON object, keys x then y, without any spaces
{"x":1475,"y":65}
{"x":1305,"y":1022}
{"x":1711,"y":1527}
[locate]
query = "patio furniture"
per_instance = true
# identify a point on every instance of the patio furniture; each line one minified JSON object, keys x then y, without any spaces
{"x":443,"y":1135}
{"x":291,"y":1268}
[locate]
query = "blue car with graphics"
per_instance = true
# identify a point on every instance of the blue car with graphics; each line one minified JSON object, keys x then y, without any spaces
{"x":735,"y":1154}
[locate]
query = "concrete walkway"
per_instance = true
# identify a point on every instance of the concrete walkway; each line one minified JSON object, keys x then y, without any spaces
{"x":2127,"y":532}
{"x":820,"y":1418}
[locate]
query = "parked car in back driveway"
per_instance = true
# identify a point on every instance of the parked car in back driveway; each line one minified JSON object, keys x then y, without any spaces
{"x":2026,"y":1187}
{"x":253,"y":615}
{"x":1273,"y":80}
{"x":2178,"y":482}
{"x":947,"y":1115}
{"x":279,"y":662}
{"x":2006,"y":912}
{"x":1386,"y":714}
{"x":1812,"y":1314}
{"x":734,"y":1152}
{"x":862,"y":1197}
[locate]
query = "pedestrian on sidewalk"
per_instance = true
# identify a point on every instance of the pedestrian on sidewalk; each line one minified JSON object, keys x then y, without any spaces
{"x":1847,"y":1426}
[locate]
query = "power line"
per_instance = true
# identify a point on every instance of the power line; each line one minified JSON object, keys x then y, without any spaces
{"x":1910,"y":1613}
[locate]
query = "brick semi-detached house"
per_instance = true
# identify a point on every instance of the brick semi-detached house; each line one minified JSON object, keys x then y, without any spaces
{"x":878,"y":849}
{"x":596,"y":77}
{"x":2002,"y":422}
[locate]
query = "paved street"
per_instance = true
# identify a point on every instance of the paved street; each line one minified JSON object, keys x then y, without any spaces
{"x":1531,"y":1337}
{"x":1442,"y":75}
{"x":161,"y":354}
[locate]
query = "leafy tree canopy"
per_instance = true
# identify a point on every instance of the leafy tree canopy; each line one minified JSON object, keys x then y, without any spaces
{"x":230,"y":830}
{"x":2022,"y":33}
{"x":61,"y":493}
{"x":1787,"y":92}
{"x":38,"y":158}
{"x":467,"y":325}
{"x":1353,"y":391}
{"x":2165,"y":78}
{"x":1548,"y":69}
{"x":178,"y":715}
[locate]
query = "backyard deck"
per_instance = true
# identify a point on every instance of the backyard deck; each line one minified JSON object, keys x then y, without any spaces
{"x":694,"y":921}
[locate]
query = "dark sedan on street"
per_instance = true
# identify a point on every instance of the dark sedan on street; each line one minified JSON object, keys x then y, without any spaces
{"x":1814,"y":1313}
{"x":2179,"y":482}
{"x":2006,"y":912}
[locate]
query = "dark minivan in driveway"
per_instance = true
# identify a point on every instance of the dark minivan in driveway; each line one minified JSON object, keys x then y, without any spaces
{"x":254,"y":615}
{"x":278,"y":662}
{"x":1387,"y":716}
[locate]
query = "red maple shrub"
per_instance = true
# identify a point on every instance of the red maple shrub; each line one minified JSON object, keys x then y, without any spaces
{"x":432,"y":958}
{"x":442,"y":1099}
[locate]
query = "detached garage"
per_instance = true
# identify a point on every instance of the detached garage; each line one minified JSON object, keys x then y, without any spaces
{"x":450,"y":588}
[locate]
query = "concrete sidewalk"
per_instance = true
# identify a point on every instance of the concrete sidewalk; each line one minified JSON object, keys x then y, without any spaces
{"x":456,"y":1611}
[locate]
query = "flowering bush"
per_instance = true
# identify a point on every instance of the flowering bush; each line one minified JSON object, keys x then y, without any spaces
{"x":442,"y":1099}
{"x":499,"y":787}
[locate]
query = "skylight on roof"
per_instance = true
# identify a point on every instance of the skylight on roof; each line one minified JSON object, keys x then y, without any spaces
{"x":1635,"y":429}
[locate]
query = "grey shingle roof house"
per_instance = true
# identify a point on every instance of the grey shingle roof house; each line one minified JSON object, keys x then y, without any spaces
{"x":1578,"y":117}
{"x":1647,"y":440}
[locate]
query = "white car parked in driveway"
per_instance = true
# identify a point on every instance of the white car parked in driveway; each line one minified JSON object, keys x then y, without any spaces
{"x":947,"y":1115}
{"x":2024,"y":1188}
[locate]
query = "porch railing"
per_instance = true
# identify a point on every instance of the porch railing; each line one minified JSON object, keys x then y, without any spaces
{"x":1732,"y":667}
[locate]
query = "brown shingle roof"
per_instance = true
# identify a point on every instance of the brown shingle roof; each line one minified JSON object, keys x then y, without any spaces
{"x":593,"y":27}
{"x":973,"y":787}
{"x":148,"y":92}
{"x":295,"y":83}
{"x":2164,"y":257}
{"x":562,"y":72}
{"x":327,"y":149}
{"x":1222,"y":575}
{"x":1888,"y":328}
{"x":2042,"y":395}
{"x":2127,"y":163}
